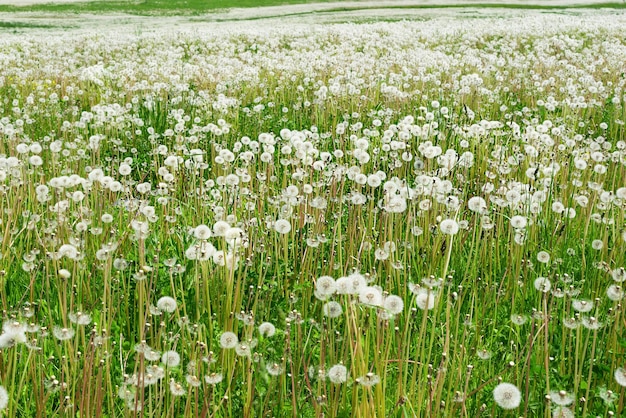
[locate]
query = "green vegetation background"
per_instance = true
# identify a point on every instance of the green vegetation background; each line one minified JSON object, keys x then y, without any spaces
{"x":186,"y":7}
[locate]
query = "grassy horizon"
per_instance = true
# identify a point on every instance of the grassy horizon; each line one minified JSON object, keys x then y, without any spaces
{"x":196,"y":7}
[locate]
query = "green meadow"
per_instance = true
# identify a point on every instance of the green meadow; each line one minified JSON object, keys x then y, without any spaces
{"x":286,"y":219}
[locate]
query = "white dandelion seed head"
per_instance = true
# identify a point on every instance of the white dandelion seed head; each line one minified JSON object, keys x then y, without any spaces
{"x":484,"y":354}
{"x":608,"y":396}
{"x":449,"y":226}
{"x":193,"y":380}
{"x":571,"y":323}
{"x":562,"y":412}
{"x":381,"y":254}
{"x":243,"y":349}
{"x":519,"y":222}
{"x":80,"y":318}
{"x":219,"y":258}
{"x":591,"y":322}
{"x":192,"y":253}
{"x":396,"y":204}
{"x":68,"y":251}
{"x":519,"y":319}
{"x":425,"y":298}
{"x":282,"y":226}
{"x":62,"y":334}
{"x":64,"y":274}
{"x":543,"y":257}
{"x":581,"y":305}
{"x":124,"y":169}
{"x":267,"y":329}
{"x":213,"y":378}
{"x":8,"y":340}
{"x":157,"y":372}
{"x":152,"y":355}
{"x":350,"y":285}
{"x":542,"y":284}
{"x":477,"y":204}
{"x":35,"y":160}
{"x":369,"y":380}
{"x":374,"y":180}
{"x":234,"y":236}
{"x":371,"y":295}
{"x":229,"y":340}
{"x":620,"y":376}
{"x":338,"y":374}
{"x":120,"y":264}
{"x":201,"y":251}
{"x":167,"y":304}
{"x":142,"y":348}
{"x":343,"y":286}
{"x":4,"y":398}
{"x":202,"y":232}
{"x":561,"y":397}
{"x":14,"y":328}
{"x":393,"y":304}
{"x":507,"y":396}
{"x":274,"y":369}
{"x":332,"y":309}
{"x":220,"y":228}
{"x":325,"y":286}
{"x":170,"y":358}
{"x":144,"y":188}
{"x":619,"y":274}
{"x":615,"y":293}
{"x":176,"y":388}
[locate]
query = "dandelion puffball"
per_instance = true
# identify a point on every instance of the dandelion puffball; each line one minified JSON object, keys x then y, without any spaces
{"x":449,"y":226}
{"x":267,"y":329}
{"x":332,"y":309}
{"x":167,"y":304}
{"x":393,"y":304}
{"x":229,"y":340}
{"x":543,"y":257}
{"x":4,"y":398}
{"x":170,"y":358}
{"x":213,"y":378}
{"x":507,"y":396}
{"x":370,"y":295}
{"x":338,"y":374}
{"x":477,"y":204}
{"x":202,"y":232}
{"x":425,"y":299}
{"x":620,"y":376}
{"x":282,"y":226}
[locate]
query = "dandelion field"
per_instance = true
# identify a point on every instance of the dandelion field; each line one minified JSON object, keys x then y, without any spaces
{"x":375,"y":220}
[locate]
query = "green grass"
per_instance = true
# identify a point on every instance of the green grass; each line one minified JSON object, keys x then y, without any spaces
{"x":266,"y":121}
{"x":150,"y":6}
{"x":20,"y":25}
{"x":17,"y":25}
{"x":195,"y":7}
